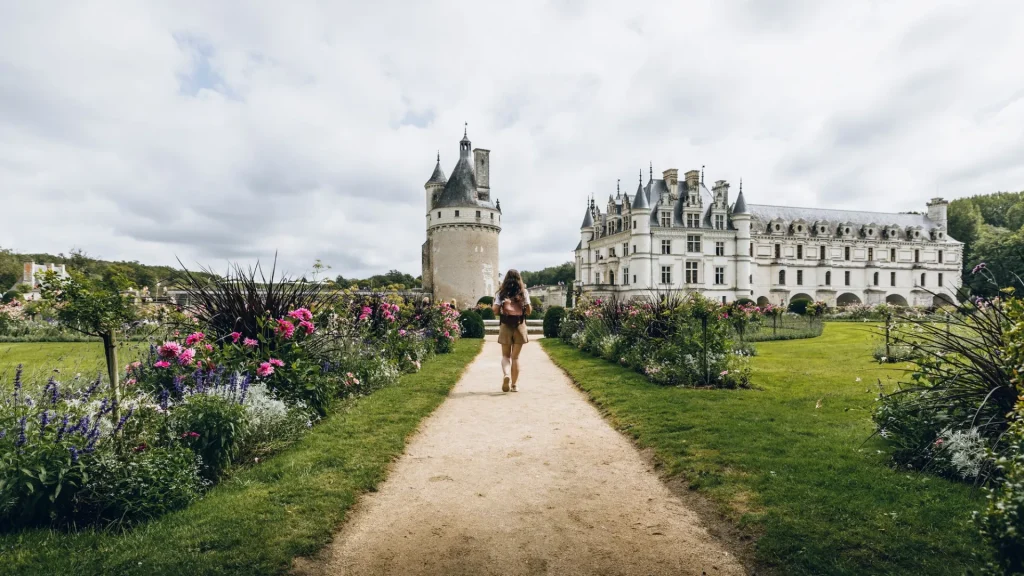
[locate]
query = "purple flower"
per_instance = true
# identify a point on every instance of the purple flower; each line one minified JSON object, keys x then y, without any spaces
{"x":17,"y":384}
{"x":978,"y":268}
{"x":245,"y":388}
{"x":3,"y":434}
{"x":21,"y":432}
{"x":44,"y":420}
{"x":74,"y":454}
{"x":63,"y":428}
{"x":120,"y":423}
{"x":92,"y":388}
{"x":163,"y":400}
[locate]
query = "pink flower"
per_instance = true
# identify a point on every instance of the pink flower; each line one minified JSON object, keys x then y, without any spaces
{"x":186,"y":356}
{"x":190,"y":435}
{"x":250,"y":343}
{"x":193,"y":338}
{"x":301,"y":314}
{"x":285,"y":329}
{"x":129,"y":382}
{"x":209,"y":348}
{"x":401,"y":332}
{"x":307,"y":327}
{"x":169,"y":350}
{"x":724,"y":372}
{"x":162,"y":364}
{"x":265,"y":369}
{"x":235,"y":336}
{"x":276,"y":362}
{"x":446,"y":334}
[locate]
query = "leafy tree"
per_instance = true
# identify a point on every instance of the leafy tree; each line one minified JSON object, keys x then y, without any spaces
{"x":94,"y":309}
{"x":964,"y":222}
{"x":10,"y":269}
{"x":1002,"y":252}
{"x":550,"y":276}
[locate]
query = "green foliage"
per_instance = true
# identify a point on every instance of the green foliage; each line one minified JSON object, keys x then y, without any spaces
{"x":550,"y":276}
{"x":392,"y":278}
{"x":486,"y":300}
{"x":537,"y":311}
{"x":486,"y":313}
{"x":86,"y":306}
{"x":140,"y":484}
{"x":745,"y":302}
{"x":553,"y":321}
{"x":472,"y":324}
{"x":799,"y":306}
{"x":212,"y":427}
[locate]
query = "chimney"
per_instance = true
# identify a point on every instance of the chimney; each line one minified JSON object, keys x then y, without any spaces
{"x":693,"y":180}
{"x":671,"y":177}
{"x":482,"y":161}
{"x":937,"y":212}
{"x":721,"y":192}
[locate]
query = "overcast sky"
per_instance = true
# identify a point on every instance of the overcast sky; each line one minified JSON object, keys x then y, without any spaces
{"x":221,"y":131}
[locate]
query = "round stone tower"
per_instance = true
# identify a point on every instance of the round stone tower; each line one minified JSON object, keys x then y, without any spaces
{"x":460,"y":256}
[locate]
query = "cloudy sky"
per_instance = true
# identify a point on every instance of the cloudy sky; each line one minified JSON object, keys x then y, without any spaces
{"x":221,"y":131}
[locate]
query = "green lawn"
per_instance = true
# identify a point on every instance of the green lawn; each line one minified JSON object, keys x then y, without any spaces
{"x":255,"y":523}
{"x":806,"y":480}
{"x":40,"y":359}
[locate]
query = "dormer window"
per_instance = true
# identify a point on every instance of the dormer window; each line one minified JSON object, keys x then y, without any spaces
{"x":778,"y":227}
{"x":799,"y":228}
{"x":666,"y":219}
{"x":719,"y":221}
{"x":456,"y":213}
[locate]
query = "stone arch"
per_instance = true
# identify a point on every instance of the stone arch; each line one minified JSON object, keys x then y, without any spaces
{"x":801,"y":296}
{"x":896,"y":300}
{"x":763,"y":301}
{"x":846,"y":299}
{"x":940,"y":300}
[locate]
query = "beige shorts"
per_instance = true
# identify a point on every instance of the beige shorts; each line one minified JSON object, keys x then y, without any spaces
{"x":509,"y":335}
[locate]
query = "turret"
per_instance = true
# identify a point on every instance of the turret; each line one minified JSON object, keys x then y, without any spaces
{"x":741,"y":221}
{"x":435,"y":184}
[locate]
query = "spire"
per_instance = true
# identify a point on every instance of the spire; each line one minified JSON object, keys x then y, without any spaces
{"x":618,"y":188}
{"x":701,"y":173}
{"x":588,"y":218}
{"x":652,"y":170}
{"x":640,"y":200}
{"x":740,"y":207}
{"x":465,"y":129}
{"x":464,"y":144}
{"x":438,"y":176}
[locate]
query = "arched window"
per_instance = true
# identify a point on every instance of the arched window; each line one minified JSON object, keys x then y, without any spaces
{"x":782,"y":277}
{"x":922,"y":279}
{"x":876,"y":278}
{"x":828,"y":278}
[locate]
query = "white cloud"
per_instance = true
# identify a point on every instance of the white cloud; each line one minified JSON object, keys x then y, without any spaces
{"x":218,"y":131}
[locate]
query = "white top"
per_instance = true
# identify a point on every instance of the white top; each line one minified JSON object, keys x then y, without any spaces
{"x":526,"y":295}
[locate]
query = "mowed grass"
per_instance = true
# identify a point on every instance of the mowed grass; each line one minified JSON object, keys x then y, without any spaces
{"x":808,"y":482}
{"x":264,"y":516}
{"x":62,"y":360}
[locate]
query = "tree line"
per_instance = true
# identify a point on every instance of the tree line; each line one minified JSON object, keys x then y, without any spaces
{"x":991,"y":226}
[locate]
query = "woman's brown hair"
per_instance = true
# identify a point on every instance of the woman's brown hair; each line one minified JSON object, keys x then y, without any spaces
{"x":512,"y":288}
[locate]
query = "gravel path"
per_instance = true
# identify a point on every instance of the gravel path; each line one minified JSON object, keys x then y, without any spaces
{"x":534,"y":482}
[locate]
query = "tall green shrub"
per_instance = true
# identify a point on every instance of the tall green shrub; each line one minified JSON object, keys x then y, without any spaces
{"x":553,"y":321}
{"x":472,"y":324}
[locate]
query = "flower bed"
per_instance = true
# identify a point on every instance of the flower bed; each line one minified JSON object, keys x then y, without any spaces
{"x":672,"y":340}
{"x":216,"y":397}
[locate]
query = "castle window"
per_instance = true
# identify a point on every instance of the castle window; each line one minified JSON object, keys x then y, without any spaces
{"x":940,"y":278}
{"x":847,"y":277}
{"x":598,"y":277}
{"x":799,"y":277}
{"x":892,"y":254}
{"x":477,"y":213}
{"x":611,"y":251}
{"x":876,"y":278}
{"x":719,"y":222}
{"x":666,"y":220}
{"x":625,"y":276}
{"x":666,"y":274}
{"x":625,"y":248}
{"x":782,"y":277}
{"x":799,"y":228}
{"x":438,"y":213}
{"x":634,"y":223}
{"x":822,"y":253}
{"x":800,"y":252}
{"x":940,"y":260}
{"x":778,"y":250}
{"x":691,"y":272}
{"x":917,"y":257}
{"x":719,"y":248}
{"x":719,"y":275}
{"x":693,"y":243}
{"x":828,"y":278}
{"x":634,"y":278}
{"x":456,"y":213}
{"x":492,"y":215}
{"x":634,"y":248}
{"x":922,"y":279}
{"x":693,"y":220}
{"x":846,"y":253}
{"x":892,"y":278}
{"x":666,"y":246}
{"x":871,"y":253}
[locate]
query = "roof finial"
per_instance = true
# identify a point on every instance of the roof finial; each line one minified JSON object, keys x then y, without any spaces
{"x":652,"y":170}
{"x":741,"y":185}
{"x":701,"y":173}
{"x":438,"y":155}
{"x":465,"y":129}
{"x":618,"y":188}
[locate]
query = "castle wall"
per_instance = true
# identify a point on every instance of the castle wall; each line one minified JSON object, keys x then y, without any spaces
{"x":463,"y":262}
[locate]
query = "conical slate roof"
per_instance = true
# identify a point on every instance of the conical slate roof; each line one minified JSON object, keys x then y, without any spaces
{"x":640,"y":200}
{"x":741,"y":205}
{"x":588,"y":219}
{"x":460,"y":190}
{"x":438,"y":176}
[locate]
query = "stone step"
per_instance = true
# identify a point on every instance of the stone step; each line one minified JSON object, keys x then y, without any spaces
{"x":539,"y":322}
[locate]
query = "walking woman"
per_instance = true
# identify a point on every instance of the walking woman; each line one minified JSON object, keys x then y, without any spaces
{"x":512,"y":306}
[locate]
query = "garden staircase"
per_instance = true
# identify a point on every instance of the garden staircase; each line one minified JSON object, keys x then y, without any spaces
{"x":535,"y":328}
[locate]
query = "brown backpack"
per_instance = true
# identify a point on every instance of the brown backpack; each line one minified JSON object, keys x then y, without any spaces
{"x":511,"y":320}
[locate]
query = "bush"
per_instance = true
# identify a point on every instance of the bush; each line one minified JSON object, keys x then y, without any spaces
{"x":212,"y":427}
{"x":744,"y":302}
{"x":799,"y":306}
{"x":141,"y":484}
{"x":553,"y":321}
{"x":486,"y":313}
{"x":486,"y":301}
{"x":270,"y":423}
{"x":472,"y":324}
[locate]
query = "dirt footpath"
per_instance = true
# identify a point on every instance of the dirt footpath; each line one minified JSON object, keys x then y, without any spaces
{"x":534,"y":482}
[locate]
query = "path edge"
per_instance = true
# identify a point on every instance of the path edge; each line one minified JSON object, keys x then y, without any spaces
{"x":713,"y":516}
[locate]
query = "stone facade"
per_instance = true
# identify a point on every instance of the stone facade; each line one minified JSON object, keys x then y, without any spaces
{"x":678,"y":235}
{"x":460,"y":256}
